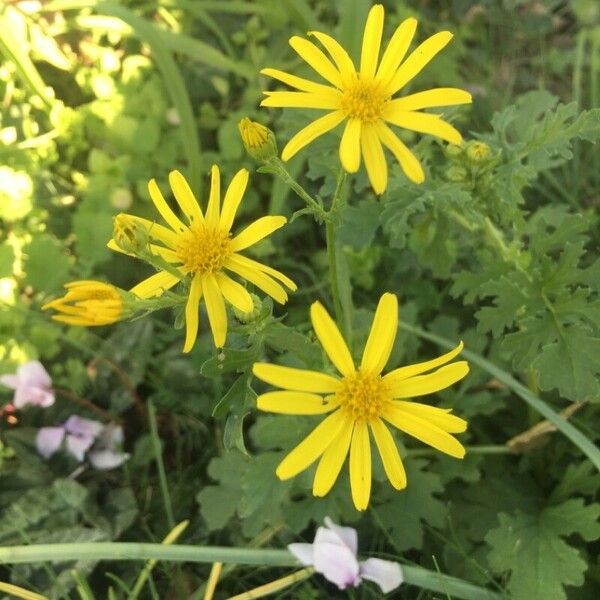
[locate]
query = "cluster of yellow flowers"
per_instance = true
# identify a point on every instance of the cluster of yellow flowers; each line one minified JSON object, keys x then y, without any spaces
{"x":198,"y":250}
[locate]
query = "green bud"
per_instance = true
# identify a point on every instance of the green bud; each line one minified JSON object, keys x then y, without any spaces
{"x":248,"y":317}
{"x":258,"y":140}
{"x":453,"y":151}
{"x":456,"y":173}
{"x":478,"y":152}
{"x":130,"y":235}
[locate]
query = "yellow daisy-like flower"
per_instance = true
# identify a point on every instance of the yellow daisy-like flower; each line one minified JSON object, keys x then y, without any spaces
{"x":203,"y":249}
{"x":89,"y":303}
{"x":362,"y":400}
{"x":364,"y":99}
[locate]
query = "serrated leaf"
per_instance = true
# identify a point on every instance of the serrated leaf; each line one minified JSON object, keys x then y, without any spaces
{"x":404,"y":512}
{"x":531,"y":548}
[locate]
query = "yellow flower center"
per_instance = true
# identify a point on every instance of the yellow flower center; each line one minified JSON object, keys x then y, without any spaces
{"x":364,"y":396}
{"x":204,"y":250}
{"x":364,"y":100}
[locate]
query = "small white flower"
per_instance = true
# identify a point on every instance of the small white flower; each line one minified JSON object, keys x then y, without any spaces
{"x":333,"y":555}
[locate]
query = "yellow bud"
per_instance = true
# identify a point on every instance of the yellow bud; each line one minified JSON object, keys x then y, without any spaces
{"x":129,"y":234}
{"x":92,"y":303}
{"x":478,"y":152}
{"x":258,"y":140}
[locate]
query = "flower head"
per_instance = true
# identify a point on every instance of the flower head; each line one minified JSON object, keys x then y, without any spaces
{"x":360,"y":402}
{"x":32,"y":385}
{"x":363,"y":98}
{"x":333,"y":554}
{"x":201,"y":250}
{"x":90,"y":303}
{"x":84,"y":436}
{"x":258,"y":140}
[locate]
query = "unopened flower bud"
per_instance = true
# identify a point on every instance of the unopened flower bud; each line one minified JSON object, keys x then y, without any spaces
{"x":248,"y":317}
{"x":258,"y":140}
{"x":478,"y":152}
{"x":92,"y":303}
{"x":456,"y":173}
{"x":453,"y":151}
{"x":129,"y":234}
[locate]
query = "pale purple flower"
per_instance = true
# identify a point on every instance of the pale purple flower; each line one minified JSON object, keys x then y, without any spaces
{"x":78,"y":434}
{"x":84,"y":436}
{"x":32,"y":385}
{"x":106,"y":453}
{"x":333,"y":555}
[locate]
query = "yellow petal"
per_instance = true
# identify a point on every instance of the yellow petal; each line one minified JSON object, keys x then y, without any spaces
{"x":422,"y":367}
{"x":331,"y":339}
{"x":256,"y":231}
{"x":360,"y":466}
{"x":297,"y":82}
{"x":340,"y":57}
{"x":371,"y":42}
{"x":295,"y":403}
{"x":215,"y":308}
{"x":396,"y":49}
{"x":424,"y":431}
{"x":260,"y":279}
{"x":296,"y":379}
{"x":155,"y":285}
{"x":312,"y":132}
{"x":214,"y":200}
{"x":423,"y":123}
{"x":316,"y":59}
{"x":439,"y":417}
{"x":309,"y":449}
{"x":253,"y":264}
{"x":191,"y":314}
{"x":382,"y":335}
{"x":185,"y":197}
{"x":422,"y":385}
{"x":430,"y":99}
{"x":331,"y":462}
{"x":350,"y":146}
{"x":301,"y":100}
{"x":233,"y":197}
{"x":374,"y":159}
{"x":163,"y":208}
{"x":417,"y":60}
{"x":392,"y":463}
{"x":169,"y":255}
{"x":408,"y":161}
{"x":235,"y":293}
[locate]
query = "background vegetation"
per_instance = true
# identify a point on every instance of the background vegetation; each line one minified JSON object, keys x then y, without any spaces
{"x":96,"y":98}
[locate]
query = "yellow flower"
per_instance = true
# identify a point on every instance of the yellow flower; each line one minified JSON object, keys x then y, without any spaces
{"x":360,"y":401}
{"x":364,"y":98}
{"x":203,"y":249}
{"x":90,"y":303}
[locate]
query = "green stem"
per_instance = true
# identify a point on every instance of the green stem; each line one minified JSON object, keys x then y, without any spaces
{"x":333,"y":275}
{"x":94,"y":551}
{"x":496,"y":449}
{"x":162,"y":477}
{"x":277,"y":166}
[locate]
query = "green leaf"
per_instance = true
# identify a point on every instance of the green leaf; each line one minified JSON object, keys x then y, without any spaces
{"x":46,"y":265}
{"x":531,"y":547}
{"x":403,"y":512}
{"x":360,"y":224}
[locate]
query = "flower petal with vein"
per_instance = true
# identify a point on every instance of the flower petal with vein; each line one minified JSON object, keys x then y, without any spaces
{"x":364,"y":98}
{"x":361,"y":403}
{"x":200,"y":247}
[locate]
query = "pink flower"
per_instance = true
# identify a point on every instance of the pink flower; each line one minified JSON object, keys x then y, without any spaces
{"x":105,"y":453}
{"x":333,"y":554}
{"x":32,"y":385}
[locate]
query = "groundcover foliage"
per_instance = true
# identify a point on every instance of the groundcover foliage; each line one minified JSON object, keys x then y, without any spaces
{"x":490,"y":239}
